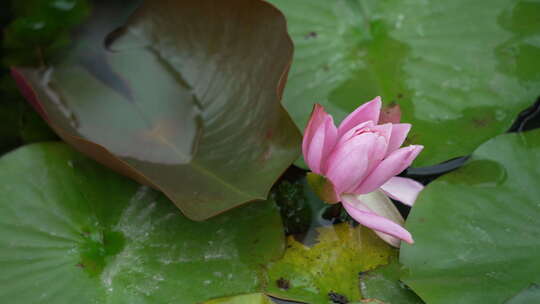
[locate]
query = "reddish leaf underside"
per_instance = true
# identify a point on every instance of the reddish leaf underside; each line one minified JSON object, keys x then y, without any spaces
{"x":182,"y":96}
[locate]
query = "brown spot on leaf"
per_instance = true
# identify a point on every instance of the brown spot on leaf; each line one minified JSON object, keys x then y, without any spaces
{"x":265,"y":156}
{"x":337,"y":298}
{"x":390,"y":114}
{"x":269,"y":134}
{"x":482,"y":122}
{"x":283,"y":284}
{"x":311,"y":35}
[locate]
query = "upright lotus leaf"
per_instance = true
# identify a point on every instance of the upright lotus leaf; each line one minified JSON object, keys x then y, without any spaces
{"x":459,"y":71}
{"x":477,"y":229}
{"x":329,"y":269}
{"x":75,"y":232}
{"x":180,"y":95}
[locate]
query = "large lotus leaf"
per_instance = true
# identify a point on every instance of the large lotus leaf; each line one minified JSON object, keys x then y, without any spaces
{"x":183,"y":96}
{"x":75,"y":232}
{"x":477,"y":229}
{"x":460,"y":70}
{"x":329,"y":269}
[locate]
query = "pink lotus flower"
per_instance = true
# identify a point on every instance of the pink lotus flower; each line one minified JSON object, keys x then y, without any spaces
{"x":357,"y":163}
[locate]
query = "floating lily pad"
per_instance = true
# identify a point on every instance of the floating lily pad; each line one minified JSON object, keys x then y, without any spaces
{"x":180,"y":95}
{"x":75,"y":232}
{"x":459,"y":71}
{"x":257,"y":298}
{"x":329,"y":269}
{"x":477,"y":229}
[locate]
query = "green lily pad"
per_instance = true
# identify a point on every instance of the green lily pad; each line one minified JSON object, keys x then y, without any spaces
{"x":256,"y":298}
{"x":329,"y":269}
{"x":384,"y":285}
{"x":75,"y":232}
{"x":180,"y":95}
{"x":459,"y":71}
{"x":477,"y":229}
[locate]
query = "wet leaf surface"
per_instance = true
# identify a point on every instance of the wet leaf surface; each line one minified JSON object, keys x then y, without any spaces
{"x":327,"y":271}
{"x":459,"y":71}
{"x":477,"y":228}
{"x":183,"y":96}
{"x":74,"y":232}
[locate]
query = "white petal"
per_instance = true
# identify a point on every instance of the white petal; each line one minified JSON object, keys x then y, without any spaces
{"x":388,"y":217}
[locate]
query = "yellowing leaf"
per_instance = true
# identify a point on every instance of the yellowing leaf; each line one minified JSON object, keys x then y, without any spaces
{"x":329,"y":268}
